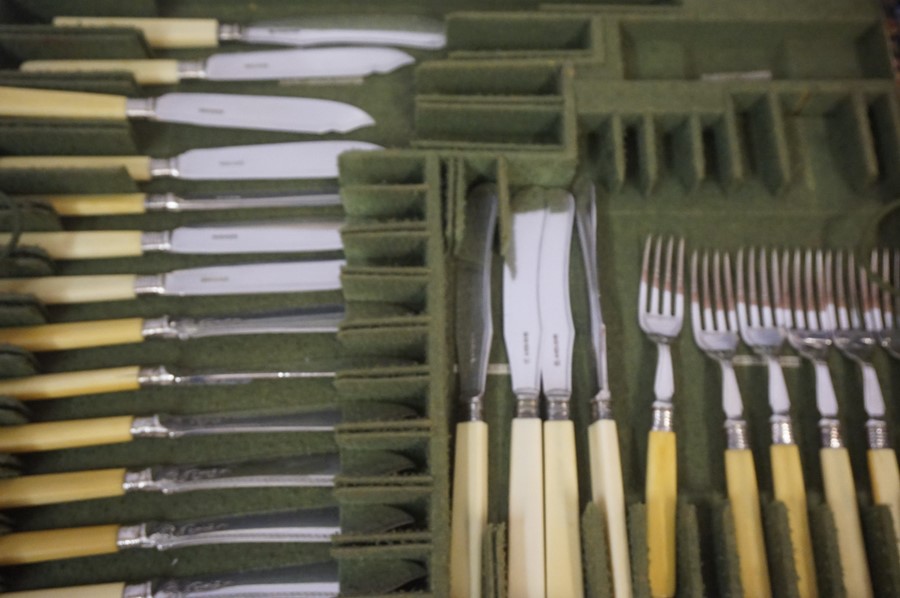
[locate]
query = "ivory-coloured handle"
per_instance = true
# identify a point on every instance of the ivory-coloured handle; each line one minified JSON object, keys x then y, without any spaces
{"x":886,"y":483}
{"x":787,"y":478}
{"x":138,"y":167}
{"x":159,"y":33}
{"x":46,"y":103}
{"x":54,"y":488}
{"x":526,"y":509}
{"x":53,"y":545}
{"x":469,"y":509}
{"x":74,"y":335}
{"x":743,"y":493}
{"x":661,"y":499}
{"x":562,"y":511}
{"x":608,"y":491}
{"x":100,"y":590}
{"x":840,"y":492}
{"x":73,"y":289}
{"x":93,"y":205}
{"x":153,"y":71}
{"x":50,"y":436}
{"x":71,"y":384}
{"x":84,"y":245}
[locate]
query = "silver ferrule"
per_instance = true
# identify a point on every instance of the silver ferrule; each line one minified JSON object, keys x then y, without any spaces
{"x":148,"y":427}
{"x":156,"y":241}
{"x":830,"y":433}
{"x":475,"y":409}
{"x":229,"y":32}
{"x":163,"y":167}
{"x":663,"y":417}
{"x":191,"y":69}
{"x":160,"y":202}
{"x":601,"y":406}
{"x":162,"y":327}
{"x":736,"y":435}
{"x":133,"y":536}
{"x":137,"y":480}
{"x":150,"y":284}
{"x":528,"y":405}
{"x":138,"y":590}
{"x":782,"y":429}
{"x":558,"y":407}
{"x":156,"y":376}
{"x":140,"y":108}
{"x":877,"y":434}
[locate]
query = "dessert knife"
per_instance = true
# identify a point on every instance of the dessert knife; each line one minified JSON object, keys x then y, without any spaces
{"x":275,"y":277}
{"x":302,"y":525}
{"x":293,"y":160}
{"x":100,"y":333}
{"x":267,"y":113}
{"x":315,"y":63}
{"x":522,"y":337}
{"x":284,"y":236}
{"x":606,"y":465}
{"x":399,"y":30}
{"x":562,"y":508}
{"x":474,"y":330}
{"x":310,"y":471}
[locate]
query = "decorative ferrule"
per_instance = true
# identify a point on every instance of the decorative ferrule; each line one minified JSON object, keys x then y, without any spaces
{"x":736,"y":434}
{"x":191,"y":69}
{"x":601,"y":405}
{"x":156,"y":241}
{"x":140,"y":108}
{"x":138,"y":480}
{"x":149,"y":284}
{"x":156,"y":376}
{"x":161,"y":327}
{"x":159,"y":202}
{"x":230,"y":32}
{"x":528,"y":405}
{"x":149,"y":427}
{"x":830,"y":433}
{"x":163,"y":167}
{"x":782,"y":429}
{"x":877,"y":434}
{"x":138,"y":590}
{"x":663,"y":417}
{"x":558,"y":407}
{"x":133,"y":536}
{"x":475,"y":408}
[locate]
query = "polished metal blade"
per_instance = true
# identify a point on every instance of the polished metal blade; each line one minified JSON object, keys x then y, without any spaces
{"x":319,"y":318}
{"x":279,"y":277}
{"x":404,"y":31}
{"x":315,"y":63}
{"x":173,"y":203}
{"x":178,"y":426}
{"x":318,"y":580}
{"x":267,"y":113}
{"x":273,"y":237}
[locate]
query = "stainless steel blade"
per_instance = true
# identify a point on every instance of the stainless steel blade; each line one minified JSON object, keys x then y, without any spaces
{"x":474,"y":327}
{"x":267,"y":113}
{"x":271,"y":237}
{"x":318,"y":580}
{"x":316,"y":63}
{"x":319,"y":318}
{"x":405,"y":31}
{"x":173,"y":203}
{"x":179,"y":426}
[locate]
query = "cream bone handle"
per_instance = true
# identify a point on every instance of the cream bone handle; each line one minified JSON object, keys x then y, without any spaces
{"x":661,"y":499}
{"x":470,"y":498}
{"x":100,"y":590}
{"x":93,"y":205}
{"x":75,"y":335}
{"x":49,"y":436}
{"x":787,"y":477}
{"x":51,"y":545}
{"x":145,"y":71}
{"x":885,"y":480}
{"x":85,"y":245}
{"x":137,"y":167}
{"x":526,"y":509}
{"x":45,"y":103}
{"x":72,"y":384}
{"x":562,"y":521}
{"x":73,"y":289}
{"x":743,"y":494}
{"x":159,"y":33}
{"x":55,"y":488}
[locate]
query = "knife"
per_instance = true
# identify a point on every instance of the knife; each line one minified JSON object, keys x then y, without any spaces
{"x":301,"y":525}
{"x":294,"y":160}
{"x":562,"y":508}
{"x":606,"y":465}
{"x":474,"y":330}
{"x":312,"y":471}
{"x":317,"y":63}
{"x":102,"y":333}
{"x":275,"y":277}
{"x":140,"y":203}
{"x":267,"y":113}
{"x":401,"y":30}
{"x":219,"y":239}
{"x":522,"y":337}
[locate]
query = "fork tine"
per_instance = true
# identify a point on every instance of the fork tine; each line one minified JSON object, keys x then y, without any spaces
{"x":708,"y":322}
{"x":853,"y":292}
{"x":893,"y":280}
{"x":868,"y":295}
{"x":721,"y":322}
{"x":843,"y":310}
{"x":779,"y":291}
{"x":666,"y":307}
{"x":765,"y":298}
{"x":645,"y":277}
{"x":729,"y":294}
{"x":654,"y":287}
{"x":824,"y":288}
{"x":696,"y":317}
{"x":679,"y":281}
{"x":813,"y":321}
{"x":752,"y":296}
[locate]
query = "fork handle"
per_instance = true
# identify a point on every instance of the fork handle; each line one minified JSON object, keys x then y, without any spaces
{"x":526,"y":509}
{"x":886,"y":483}
{"x":661,"y":499}
{"x":787,"y":474}
{"x":743,"y":494}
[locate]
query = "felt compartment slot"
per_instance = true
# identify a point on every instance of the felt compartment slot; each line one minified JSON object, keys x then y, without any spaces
{"x":406,"y":384}
{"x":21,"y":310}
{"x":390,"y":244}
{"x":883,"y":119}
{"x":466,"y":125}
{"x":30,"y":181}
{"x":688,"y":158}
{"x":503,"y":80}
{"x":404,"y":286}
{"x":642,"y":160}
{"x":852,"y":141}
{"x":26,"y":215}
{"x":881,"y":548}
{"x":122,"y":84}
{"x":47,"y":9}
{"x":764,"y":138}
{"x":366,"y":573}
{"x":45,"y":42}
{"x":606,"y":151}
{"x":363,"y":202}
{"x":490,"y":35}
{"x":383,"y":168}
{"x":403,"y":342}
{"x":730,"y":159}
{"x":51,"y":137}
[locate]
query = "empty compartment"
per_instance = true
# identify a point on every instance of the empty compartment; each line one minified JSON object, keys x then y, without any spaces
{"x":475,"y":125}
{"x":385,"y":245}
{"x":488,"y":78}
{"x":382,"y":168}
{"x":526,"y":34}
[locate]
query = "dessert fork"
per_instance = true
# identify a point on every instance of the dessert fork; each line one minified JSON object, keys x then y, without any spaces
{"x":760,"y":306}
{"x":715,"y":326}
{"x":882,"y":318}
{"x":660,"y":315}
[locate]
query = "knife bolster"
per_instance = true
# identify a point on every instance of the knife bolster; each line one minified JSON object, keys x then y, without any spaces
{"x":736,"y":434}
{"x":133,"y":536}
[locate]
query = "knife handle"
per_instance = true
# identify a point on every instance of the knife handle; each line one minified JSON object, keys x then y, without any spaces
{"x":840,"y":493}
{"x":526,"y":509}
{"x":50,"y":436}
{"x":55,"y":488}
{"x":743,"y":494}
{"x":73,"y":289}
{"x":562,"y":511}
{"x":661,"y":499}
{"x":885,"y":480}
{"x":787,"y":481}
{"x":84,"y":245}
{"x":608,"y":492}
{"x":138,"y":167}
{"x":94,"y":205}
{"x":74,"y":335}
{"x":72,"y":384}
{"x":55,"y":544}
{"x":469,"y":509}
{"x":46,"y":103}
{"x":100,"y":590}
{"x":159,"y":33}
{"x":153,"y":71}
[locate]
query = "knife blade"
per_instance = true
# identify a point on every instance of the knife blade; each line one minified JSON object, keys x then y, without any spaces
{"x":202,"y":239}
{"x":101,"y":333}
{"x":398,"y":30}
{"x":301,"y":525}
{"x":311,"y":471}
{"x":294,"y":160}
{"x":314,"y":63}
{"x":267,"y":113}
{"x":275,"y":277}
{"x":474,"y":331}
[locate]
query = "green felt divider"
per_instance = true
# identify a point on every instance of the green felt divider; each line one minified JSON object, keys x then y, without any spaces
{"x":598,"y":577}
{"x":15,"y":361}
{"x":390,"y":244}
{"x":494,"y":571}
{"x":400,"y":201}
{"x":36,"y":181}
{"x":724,"y":549}
{"x":499,"y":78}
{"x":21,"y":310}
{"x":51,"y":137}
{"x":43,"y":42}
{"x":881,"y":548}
{"x":825,"y":543}
{"x":511,"y":34}
{"x":405,"y":286}
{"x":121,"y":83}
{"x":403,"y":342}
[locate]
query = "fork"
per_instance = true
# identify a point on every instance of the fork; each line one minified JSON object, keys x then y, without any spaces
{"x":715,"y":326}
{"x":882,"y":319}
{"x":761,"y":325}
{"x":858,"y":344}
{"x":809,"y":322}
{"x":660,"y":318}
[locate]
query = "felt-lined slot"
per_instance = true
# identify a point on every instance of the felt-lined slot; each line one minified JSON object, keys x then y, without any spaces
{"x":47,"y":9}
{"x":606,"y":149}
{"x":44,"y":42}
{"x":496,"y":126}
{"x":30,"y":181}
{"x":405,"y":286}
{"x":390,"y":244}
{"x":730,"y":160}
{"x":16,"y":362}
{"x":367,"y":572}
{"x":27,"y":261}
{"x":21,"y":310}
{"x":384,"y":202}
{"x":404,"y":342}
{"x":382,"y":168}
{"x":43,"y":137}
{"x":642,"y":153}
{"x":688,"y":158}
{"x":122,"y":84}
{"x":881,"y":548}
{"x":852,"y":141}
{"x":510,"y":34}
{"x":385,"y":494}
{"x":497,"y":79}
{"x":27,"y":215}
{"x":884,"y":125}
{"x":765,"y":139}
{"x":408,"y":383}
